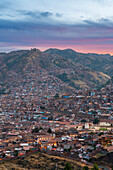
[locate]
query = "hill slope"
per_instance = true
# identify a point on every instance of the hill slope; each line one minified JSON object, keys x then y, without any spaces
{"x":96,"y":62}
{"x":35,"y":71}
{"x":40,"y":161}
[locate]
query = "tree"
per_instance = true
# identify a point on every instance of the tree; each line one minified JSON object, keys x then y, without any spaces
{"x":42,"y":107}
{"x":50,"y":118}
{"x":15,"y":153}
{"x":94,"y":113}
{"x":95,"y":167}
{"x":101,"y":133}
{"x":3,"y":155}
{"x":36,"y":130}
{"x":83,"y":120}
{"x":56,"y":95}
{"x":96,"y":121}
{"x":63,"y":77}
{"x":85,"y":168}
{"x":68,"y":167}
{"x":49,"y":130}
{"x":40,"y":128}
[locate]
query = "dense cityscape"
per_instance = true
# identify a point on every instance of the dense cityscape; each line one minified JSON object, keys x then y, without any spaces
{"x":56,"y":85}
{"x":77,"y":125}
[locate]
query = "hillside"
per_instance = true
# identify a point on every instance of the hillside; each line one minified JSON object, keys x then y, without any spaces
{"x":106,"y":160}
{"x":40,"y":161}
{"x":96,"y":62}
{"x":37,"y":71}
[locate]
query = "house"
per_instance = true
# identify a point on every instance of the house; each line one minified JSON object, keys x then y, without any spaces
{"x":109,"y":148}
{"x":106,"y":122}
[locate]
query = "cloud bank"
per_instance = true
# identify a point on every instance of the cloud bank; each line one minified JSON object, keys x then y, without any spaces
{"x":82,"y":25}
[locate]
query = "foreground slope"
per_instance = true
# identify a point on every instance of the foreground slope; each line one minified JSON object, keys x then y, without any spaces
{"x":40,"y":161}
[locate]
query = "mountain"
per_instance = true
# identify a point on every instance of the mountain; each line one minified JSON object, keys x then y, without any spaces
{"x":67,"y":53}
{"x":45,"y":73}
{"x":96,"y":62}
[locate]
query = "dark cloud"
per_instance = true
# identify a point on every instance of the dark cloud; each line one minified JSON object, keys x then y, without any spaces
{"x":39,"y":14}
{"x":39,"y":25}
{"x":13,"y":25}
{"x":59,"y":14}
{"x":104,"y":20}
{"x":30,"y":32}
{"x":30,"y":13}
{"x":102,"y":23}
{"x":26,"y":25}
{"x":46,"y":14}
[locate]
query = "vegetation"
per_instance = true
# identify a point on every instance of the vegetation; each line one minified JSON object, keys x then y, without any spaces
{"x":15,"y":153}
{"x":103,"y":129}
{"x":85,"y":168}
{"x":94,"y":113}
{"x":80,"y":77}
{"x":42,"y":107}
{"x":63,"y":77}
{"x":40,"y":128}
{"x":49,"y":130}
{"x":95,"y":167}
{"x":56,"y":95}
{"x":40,"y":161}
{"x":36,"y":130}
{"x":72,"y":84}
{"x":83,"y":120}
{"x":2,"y":91}
{"x":68,"y":166}
{"x":96,"y":121}
{"x":101,"y":133}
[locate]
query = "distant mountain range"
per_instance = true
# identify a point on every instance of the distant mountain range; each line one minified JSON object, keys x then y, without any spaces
{"x":71,"y":69}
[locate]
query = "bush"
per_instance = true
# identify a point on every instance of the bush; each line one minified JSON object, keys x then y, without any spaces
{"x":85,"y":168}
{"x":96,"y":121}
{"x":56,"y":95}
{"x":83,"y":120}
{"x":95,"y":167}
{"x":15,"y":153}
{"x":63,"y":77}
{"x":68,"y":167}
{"x":36,"y":130}
{"x":49,"y":130}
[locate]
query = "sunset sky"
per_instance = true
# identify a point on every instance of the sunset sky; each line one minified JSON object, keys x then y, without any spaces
{"x":83,"y":25}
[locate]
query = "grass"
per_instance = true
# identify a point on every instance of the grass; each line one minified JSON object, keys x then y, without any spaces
{"x":40,"y":161}
{"x":103,"y":129}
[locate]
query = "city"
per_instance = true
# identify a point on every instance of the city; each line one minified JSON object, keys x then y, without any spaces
{"x":56,"y":85}
{"x":79,"y":126}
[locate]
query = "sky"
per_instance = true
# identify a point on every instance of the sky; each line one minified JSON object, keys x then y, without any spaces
{"x":83,"y":25}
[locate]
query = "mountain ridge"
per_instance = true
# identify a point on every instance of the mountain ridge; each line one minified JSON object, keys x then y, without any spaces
{"x":69,"y":49}
{"x":25,"y":66}
{"x":96,"y":62}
